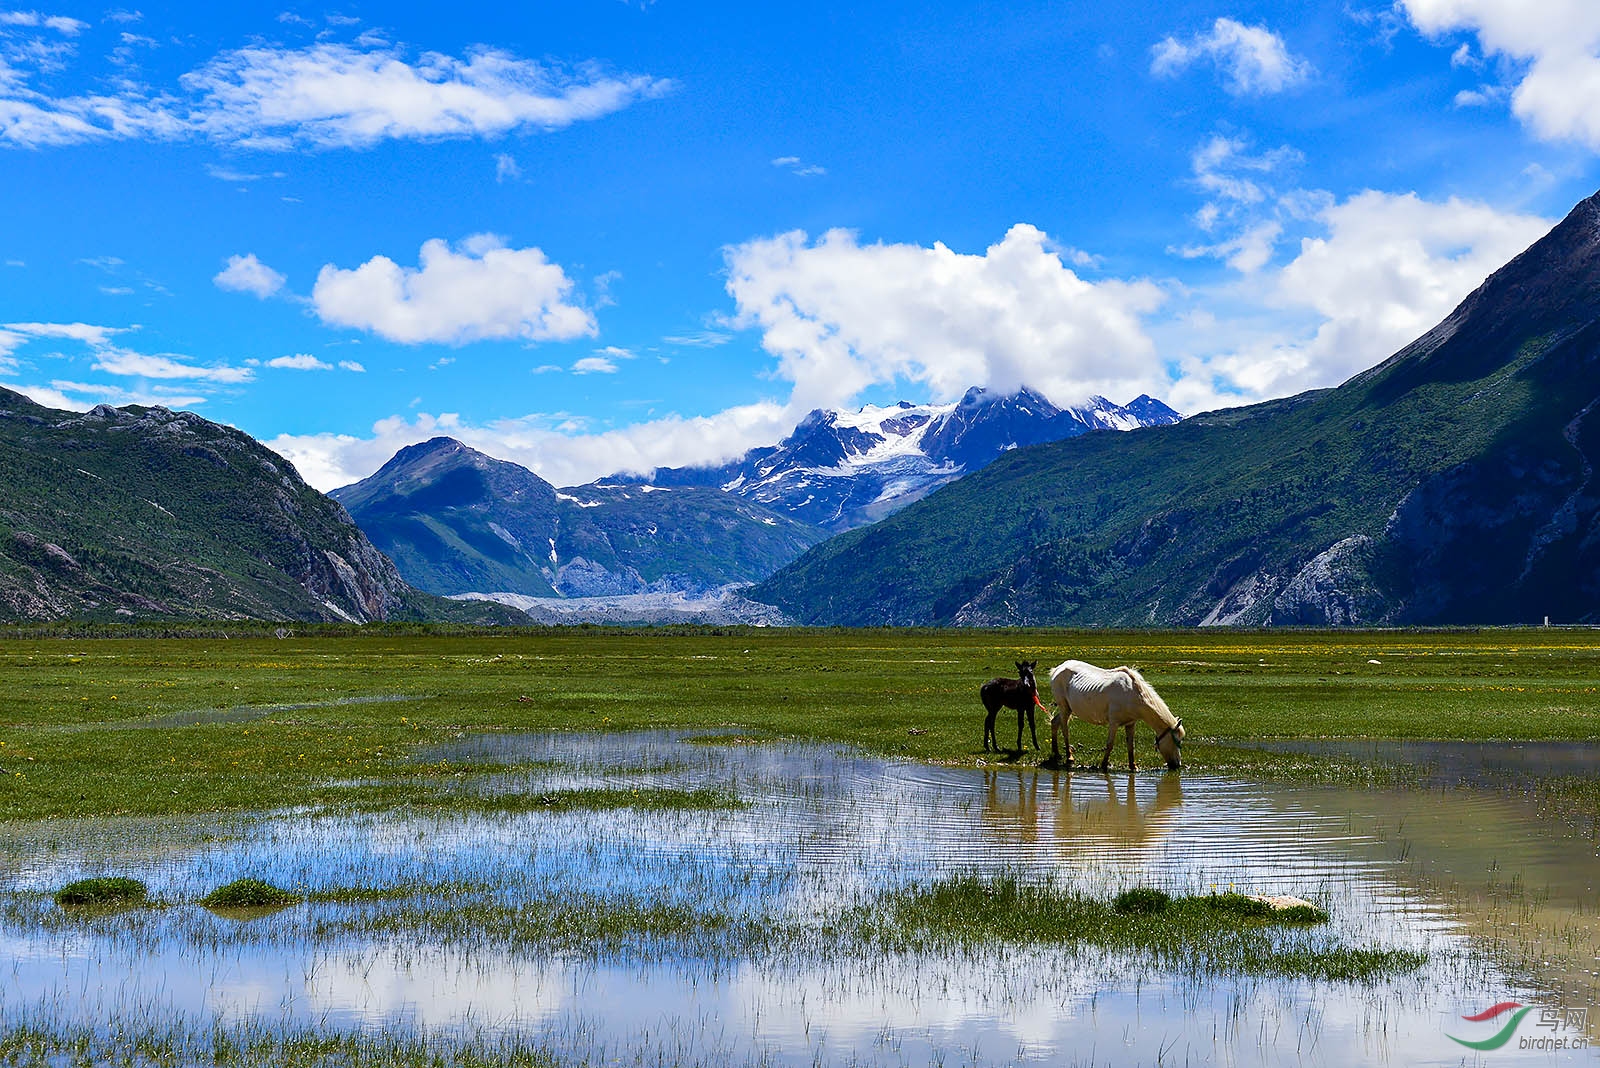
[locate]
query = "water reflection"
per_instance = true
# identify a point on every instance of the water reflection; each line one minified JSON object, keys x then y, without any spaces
{"x":823,"y":827}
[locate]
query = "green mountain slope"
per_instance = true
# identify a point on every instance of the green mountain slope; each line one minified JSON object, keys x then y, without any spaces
{"x":136,"y":512}
{"x":456,"y":521}
{"x":1451,"y":484}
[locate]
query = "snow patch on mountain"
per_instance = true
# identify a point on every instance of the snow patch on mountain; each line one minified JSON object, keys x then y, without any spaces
{"x":841,"y":469}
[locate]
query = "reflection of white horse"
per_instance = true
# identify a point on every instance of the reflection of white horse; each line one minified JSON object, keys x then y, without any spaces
{"x":1116,"y":697}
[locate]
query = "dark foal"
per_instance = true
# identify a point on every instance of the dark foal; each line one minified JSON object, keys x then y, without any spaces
{"x":1020,"y":693}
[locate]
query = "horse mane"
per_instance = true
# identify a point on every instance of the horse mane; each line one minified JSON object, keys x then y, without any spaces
{"x":1147,"y":694}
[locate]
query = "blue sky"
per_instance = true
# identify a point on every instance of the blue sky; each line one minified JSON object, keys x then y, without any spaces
{"x":599,"y":235}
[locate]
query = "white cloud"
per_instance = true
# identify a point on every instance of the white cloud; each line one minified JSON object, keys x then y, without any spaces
{"x":548,"y":445}
{"x":88,"y":394}
{"x":352,"y":365}
{"x":117,"y":361}
{"x":1244,"y":210}
{"x":1225,"y":169}
{"x":60,"y":23}
{"x":1481,"y":97}
{"x":1379,"y":270}
{"x":794,"y":165}
{"x":704,"y":339}
{"x":227,"y":174}
{"x":246,"y":274}
{"x":328,"y":95}
{"x":94,"y":336}
{"x":108,"y":358}
{"x":479,"y":290}
{"x":1386,"y":268}
{"x":1556,"y":46}
{"x":1253,"y":60}
{"x":332,"y":95}
{"x":51,"y":397}
{"x":594,"y":365}
{"x":505,"y":168}
{"x":841,"y":316}
{"x":300,"y":361}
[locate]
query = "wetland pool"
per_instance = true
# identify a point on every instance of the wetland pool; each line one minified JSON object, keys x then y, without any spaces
{"x":456,"y":936}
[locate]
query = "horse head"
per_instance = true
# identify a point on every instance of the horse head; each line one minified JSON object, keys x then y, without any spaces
{"x":1025,"y":673}
{"x":1169,"y":743}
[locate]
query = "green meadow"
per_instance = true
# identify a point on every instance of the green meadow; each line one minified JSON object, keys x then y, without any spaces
{"x":369,"y":724}
{"x":98,"y":724}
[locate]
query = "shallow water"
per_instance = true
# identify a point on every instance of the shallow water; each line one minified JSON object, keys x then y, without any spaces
{"x":1431,"y":868}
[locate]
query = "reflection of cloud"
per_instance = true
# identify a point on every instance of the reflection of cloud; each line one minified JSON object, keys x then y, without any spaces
{"x":436,"y":989}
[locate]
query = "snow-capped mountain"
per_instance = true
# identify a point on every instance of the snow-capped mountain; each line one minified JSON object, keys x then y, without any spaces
{"x":844,"y":469}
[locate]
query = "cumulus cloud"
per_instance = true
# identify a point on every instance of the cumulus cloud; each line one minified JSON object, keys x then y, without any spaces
{"x":476,"y":291}
{"x":328,"y":95}
{"x":1383,"y":270}
{"x":352,"y":365}
{"x":841,"y":316}
{"x":1556,"y":49}
{"x":1252,"y":59}
{"x":246,"y":274}
{"x":594,"y":365}
{"x":300,"y":361}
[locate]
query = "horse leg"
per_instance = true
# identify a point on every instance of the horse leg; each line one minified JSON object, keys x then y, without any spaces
{"x":1130,"y":746}
{"x":1111,"y":736}
{"x":988,"y":730}
{"x":1034,"y":734}
{"x":1019,"y":729}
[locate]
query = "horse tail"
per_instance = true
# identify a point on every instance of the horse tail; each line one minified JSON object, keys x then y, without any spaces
{"x":1147,"y":694}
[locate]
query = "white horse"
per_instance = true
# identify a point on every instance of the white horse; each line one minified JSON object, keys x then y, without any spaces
{"x":1116,"y":697}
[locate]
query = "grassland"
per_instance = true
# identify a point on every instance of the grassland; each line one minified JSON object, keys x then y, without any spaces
{"x":150,"y":727}
{"x":96,"y":724}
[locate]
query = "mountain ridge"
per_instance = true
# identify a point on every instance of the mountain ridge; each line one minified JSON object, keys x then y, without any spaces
{"x":140,"y":512}
{"x":456,"y":521}
{"x":842,"y":469}
{"x":1452,"y":483}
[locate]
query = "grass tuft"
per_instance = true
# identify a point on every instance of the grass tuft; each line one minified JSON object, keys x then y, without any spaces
{"x":1203,"y":934}
{"x":106,"y":891}
{"x":1142,"y":901}
{"x":248,"y":894}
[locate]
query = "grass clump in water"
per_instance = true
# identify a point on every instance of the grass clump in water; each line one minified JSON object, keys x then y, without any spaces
{"x":248,"y":893}
{"x":1202,"y":934}
{"x":1247,"y":907}
{"x":1142,"y":901}
{"x":104,"y":892}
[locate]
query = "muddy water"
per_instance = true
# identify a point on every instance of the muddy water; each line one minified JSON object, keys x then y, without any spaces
{"x":1438,"y":868}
